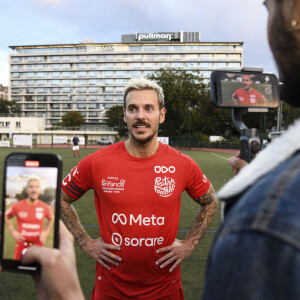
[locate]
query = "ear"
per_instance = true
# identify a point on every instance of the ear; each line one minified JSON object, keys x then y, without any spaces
{"x":124,"y":117}
{"x":162,"y":115}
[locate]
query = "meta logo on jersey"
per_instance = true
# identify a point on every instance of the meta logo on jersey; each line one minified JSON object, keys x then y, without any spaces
{"x":139,"y":220}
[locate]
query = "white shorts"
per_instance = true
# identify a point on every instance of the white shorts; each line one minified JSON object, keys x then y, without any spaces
{"x":75,"y":148}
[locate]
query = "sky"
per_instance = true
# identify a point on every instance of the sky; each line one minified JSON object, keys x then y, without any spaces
{"x":41,"y":22}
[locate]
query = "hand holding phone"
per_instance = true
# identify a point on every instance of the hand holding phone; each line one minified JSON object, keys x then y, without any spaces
{"x":31,"y":193}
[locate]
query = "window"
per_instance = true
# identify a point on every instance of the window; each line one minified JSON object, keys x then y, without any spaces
{"x":67,"y":49}
{"x":108,"y":66}
{"x":15,"y":82}
{"x":54,"y":58}
{"x":55,"y":98}
{"x":81,"y":57}
{"x":41,"y":67}
{"x":66,"y":66}
{"x":81,"y":98}
{"x":54,"y":74}
{"x":94,"y":73}
{"x":18,"y":124}
{"x":66,"y":58}
{"x":94,"y":90}
{"x":41,"y":90}
{"x":15,"y":75}
{"x":29,"y":67}
{"x":94,"y":66}
{"x":29,"y":58}
{"x":55,"y":66}
{"x":136,"y":65}
{"x":66,"y":74}
{"x":81,"y":90}
{"x":81,"y":82}
{"x":54,"y":90}
{"x":29,"y":91}
{"x":121,"y":73}
{"x":108,"y":81}
{"x":67,"y":90}
{"x":16,"y":59}
{"x":29,"y":75}
{"x":81,"y":66}
{"x":54,"y":82}
{"x":135,"y":73}
{"x":41,"y":98}
{"x":191,"y":65}
{"x":177,"y":65}
{"x":16,"y":67}
{"x":135,"y":48}
{"x":66,"y":82}
{"x":108,"y":73}
{"x":94,"y":81}
{"x":41,"y":82}
{"x":82,"y":74}
{"x":41,"y":74}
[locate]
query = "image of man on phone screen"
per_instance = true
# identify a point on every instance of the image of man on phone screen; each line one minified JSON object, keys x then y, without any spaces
{"x":247,"y":95}
{"x":30,"y":214}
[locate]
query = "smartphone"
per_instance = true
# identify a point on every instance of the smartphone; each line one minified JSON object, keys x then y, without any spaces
{"x":244,"y":89}
{"x":30,"y":207}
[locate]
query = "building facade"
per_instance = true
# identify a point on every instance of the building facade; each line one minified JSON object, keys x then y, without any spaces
{"x":50,"y":80}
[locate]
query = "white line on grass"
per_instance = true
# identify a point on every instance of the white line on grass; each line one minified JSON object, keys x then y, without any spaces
{"x":219,"y":155}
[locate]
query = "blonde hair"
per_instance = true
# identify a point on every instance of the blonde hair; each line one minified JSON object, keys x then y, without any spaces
{"x":142,"y":83}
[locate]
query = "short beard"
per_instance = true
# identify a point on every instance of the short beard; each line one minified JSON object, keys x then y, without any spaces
{"x":286,"y":50}
{"x":145,"y":141}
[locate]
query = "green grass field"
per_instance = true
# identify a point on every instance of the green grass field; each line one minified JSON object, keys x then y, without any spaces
{"x":216,"y":168}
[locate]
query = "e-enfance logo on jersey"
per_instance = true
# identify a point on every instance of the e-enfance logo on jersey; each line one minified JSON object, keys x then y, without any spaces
{"x":113,"y":185}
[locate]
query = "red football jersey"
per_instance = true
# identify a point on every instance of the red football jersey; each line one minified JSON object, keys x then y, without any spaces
{"x":248,"y":98}
{"x":138,"y":207}
{"x":30,"y":218}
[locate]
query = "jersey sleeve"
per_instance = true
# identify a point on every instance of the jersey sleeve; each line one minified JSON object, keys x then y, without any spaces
{"x":79,"y":180}
{"x":10,"y":212}
{"x":197,"y":184}
{"x":48,"y":213}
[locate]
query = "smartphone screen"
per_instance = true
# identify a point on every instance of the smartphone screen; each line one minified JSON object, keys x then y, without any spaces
{"x":30,"y":206}
{"x":244,"y":89}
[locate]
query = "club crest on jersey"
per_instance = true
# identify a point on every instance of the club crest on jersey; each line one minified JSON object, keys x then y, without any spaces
{"x":164,"y":186}
{"x":39,"y":215}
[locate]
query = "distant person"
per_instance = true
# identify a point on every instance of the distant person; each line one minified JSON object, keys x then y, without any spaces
{"x":58,"y":278}
{"x":247,"y":95}
{"x":30,"y":214}
{"x":137,"y":185}
{"x":75,"y":142}
{"x":256,"y":252}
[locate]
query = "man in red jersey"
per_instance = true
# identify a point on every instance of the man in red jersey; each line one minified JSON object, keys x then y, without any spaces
{"x":30,"y":215}
{"x":137,"y":186}
{"x":247,"y":95}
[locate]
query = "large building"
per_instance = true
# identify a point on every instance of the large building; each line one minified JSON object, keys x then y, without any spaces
{"x":50,"y":80}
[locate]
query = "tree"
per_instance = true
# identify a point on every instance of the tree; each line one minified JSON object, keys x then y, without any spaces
{"x":115,"y":119}
{"x":7,"y":107}
{"x":190,"y":112}
{"x":72,"y":119}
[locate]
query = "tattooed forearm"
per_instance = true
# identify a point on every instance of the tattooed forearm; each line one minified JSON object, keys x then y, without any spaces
{"x":204,"y":215}
{"x":71,"y":220}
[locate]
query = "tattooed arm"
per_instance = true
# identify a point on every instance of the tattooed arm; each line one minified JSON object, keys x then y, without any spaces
{"x":180,"y":250}
{"x":97,"y":249}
